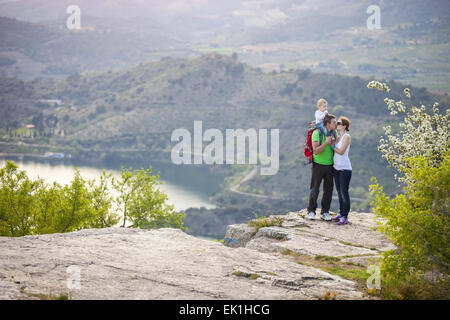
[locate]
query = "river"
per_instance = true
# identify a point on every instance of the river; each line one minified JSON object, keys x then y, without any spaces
{"x":186,"y":186}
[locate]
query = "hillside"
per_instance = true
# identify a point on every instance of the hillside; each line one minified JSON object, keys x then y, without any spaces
{"x":325,"y":36}
{"x":137,"y":109}
{"x":30,"y":50}
{"x":118,"y":263}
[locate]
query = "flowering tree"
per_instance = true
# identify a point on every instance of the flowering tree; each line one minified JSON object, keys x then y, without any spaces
{"x":418,"y":220}
{"x":422,"y":134}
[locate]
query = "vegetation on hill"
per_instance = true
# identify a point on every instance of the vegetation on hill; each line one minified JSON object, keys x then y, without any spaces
{"x":31,"y":50}
{"x":410,"y":47}
{"x":137,"y":109}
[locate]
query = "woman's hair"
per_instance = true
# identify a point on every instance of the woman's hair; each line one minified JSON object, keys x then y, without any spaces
{"x":345,"y":122}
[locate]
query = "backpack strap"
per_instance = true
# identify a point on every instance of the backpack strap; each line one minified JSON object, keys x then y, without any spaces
{"x":320,"y":136}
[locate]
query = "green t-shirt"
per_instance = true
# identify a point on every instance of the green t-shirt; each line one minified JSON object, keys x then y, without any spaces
{"x":326,"y":156}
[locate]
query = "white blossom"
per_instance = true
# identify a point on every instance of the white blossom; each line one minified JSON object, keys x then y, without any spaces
{"x":407,"y":93}
{"x":378,"y":85}
{"x":420,"y":134}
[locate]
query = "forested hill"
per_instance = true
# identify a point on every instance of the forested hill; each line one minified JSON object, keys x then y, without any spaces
{"x":217,"y":89}
{"x":325,"y":36}
{"x":30,"y":50}
{"x":140,"y":107}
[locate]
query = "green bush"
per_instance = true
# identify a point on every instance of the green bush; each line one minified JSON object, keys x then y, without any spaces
{"x":417,"y":220}
{"x":30,"y":207}
{"x":418,"y":223}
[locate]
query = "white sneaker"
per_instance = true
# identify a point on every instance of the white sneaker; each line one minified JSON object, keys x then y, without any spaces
{"x":312,"y":215}
{"x":325,"y":216}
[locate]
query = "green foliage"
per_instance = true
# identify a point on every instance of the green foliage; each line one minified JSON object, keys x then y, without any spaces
{"x":102,"y":202}
{"x":251,"y":276}
{"x":33,"y":207}
{"x":47,"y":296}
{"x":142,"y":203}
{"x":326,"y":258}
{"x":417,"y":221}
{"x":30,"y":207}
{"x":254,"y":276}
{"x":347,"y":273}
{"x":262,"y":222}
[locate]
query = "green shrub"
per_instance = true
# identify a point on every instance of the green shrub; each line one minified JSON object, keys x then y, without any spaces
{"x":417,"y":220}
{"x":30,"y":207}
{"x":418,"y":223}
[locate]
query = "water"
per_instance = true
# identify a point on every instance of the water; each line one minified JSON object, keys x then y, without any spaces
{"x":186,"y":186}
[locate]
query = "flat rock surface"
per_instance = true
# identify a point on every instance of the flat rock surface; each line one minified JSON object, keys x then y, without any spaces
{"x":313,"y":237}
{"x":118,"y":263}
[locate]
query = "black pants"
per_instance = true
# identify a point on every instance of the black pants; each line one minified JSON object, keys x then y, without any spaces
{"x":321,"y":172}
{"x":342,"y":180}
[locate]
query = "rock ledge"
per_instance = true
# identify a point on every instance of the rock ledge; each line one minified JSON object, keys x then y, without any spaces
{"x":119,"y":263}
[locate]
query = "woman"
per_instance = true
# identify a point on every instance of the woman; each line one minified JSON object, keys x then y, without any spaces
{"x":342,"y":169}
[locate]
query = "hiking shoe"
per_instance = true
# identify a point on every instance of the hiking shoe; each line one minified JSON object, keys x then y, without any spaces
{"x":325,"y":216}
{"x":337,"y":218}
{"x":343,"y":220}
{"x":312,"y":215}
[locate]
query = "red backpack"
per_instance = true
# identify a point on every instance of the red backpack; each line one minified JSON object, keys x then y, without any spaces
{"x":308,"y":145}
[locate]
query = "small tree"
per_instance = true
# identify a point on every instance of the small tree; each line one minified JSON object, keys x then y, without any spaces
{"x":142,"y":203}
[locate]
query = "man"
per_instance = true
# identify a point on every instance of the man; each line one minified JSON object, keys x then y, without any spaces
{"x":322,"y":169}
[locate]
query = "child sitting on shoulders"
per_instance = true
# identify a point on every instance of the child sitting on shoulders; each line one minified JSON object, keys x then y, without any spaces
{"x":321,"y":112}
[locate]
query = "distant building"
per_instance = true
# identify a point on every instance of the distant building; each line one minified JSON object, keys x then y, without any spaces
{"x":57,"y":155}
{"x":51,"y":101}
{"x":30,"y":128}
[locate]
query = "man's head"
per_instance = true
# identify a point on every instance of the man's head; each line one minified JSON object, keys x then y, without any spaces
{"x":322,"y":104}
{"x":329,"y":122}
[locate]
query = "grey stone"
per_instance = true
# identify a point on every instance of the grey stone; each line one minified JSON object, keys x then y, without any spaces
{"x":317,"y":237}
{"x":302,"y":242}
{"x":237,"y":235}
{"x":361,"y":230}
{"x":121,"y":263}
